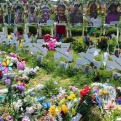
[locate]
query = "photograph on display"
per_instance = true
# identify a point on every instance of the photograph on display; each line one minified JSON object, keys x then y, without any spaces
{"x":19,"y":17}
{"x":46,"y":14}
{"x":61,"y":17}
{"x":32,"y":16}
{"x":76,"y":17}
{"x":113,"y":14}
{"x":9,"y":18}
{"x":93,"y":19}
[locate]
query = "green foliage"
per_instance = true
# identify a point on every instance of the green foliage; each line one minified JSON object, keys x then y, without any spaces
{"x":50,"y":89}
{"x":78,"y":47}
{"x":69,"y":40}
{"x":76,"y":31}
{"x":45,"y":30}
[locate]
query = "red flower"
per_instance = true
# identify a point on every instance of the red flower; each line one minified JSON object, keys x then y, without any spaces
{"x":47,"y":37}
{"x":23,"y":84}
{"x":85,"y":91}
{"x":92,"y":98}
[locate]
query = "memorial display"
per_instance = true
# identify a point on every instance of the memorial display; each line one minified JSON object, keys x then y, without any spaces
{"x":60,"y":61}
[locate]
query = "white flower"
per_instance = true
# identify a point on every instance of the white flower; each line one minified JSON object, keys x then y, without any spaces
{"x":37,"y":106}
{"x":20,"y":71}
{"x":37,"y":68}
{"x":39,"y":87}
{"x":17,"y":104}
{"x":30,"y":110}
{"x":69,"y":104}
{"x":26,"y":71}
{"x":14,"y":60}
{"x":61,"y":90}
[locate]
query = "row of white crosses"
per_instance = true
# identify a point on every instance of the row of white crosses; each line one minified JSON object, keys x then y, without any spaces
{"x":86,"y":58}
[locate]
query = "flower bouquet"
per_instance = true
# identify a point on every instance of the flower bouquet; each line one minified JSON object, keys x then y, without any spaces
{"x":51,"y":42}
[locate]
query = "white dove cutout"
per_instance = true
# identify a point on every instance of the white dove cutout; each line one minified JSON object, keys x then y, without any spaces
{"x":88,"y":57}
{"x":62,"y":53}
{"x":115,"y":64}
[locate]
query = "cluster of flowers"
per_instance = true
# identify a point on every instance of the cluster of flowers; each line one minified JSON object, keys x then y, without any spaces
{"x":62,"y":104}
{"x":108,"y":96}
{"x":52,"y":42}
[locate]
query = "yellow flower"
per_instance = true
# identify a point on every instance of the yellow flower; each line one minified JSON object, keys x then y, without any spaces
{"x":63,"y":100}
{"x":64,"y":109}
{"x":9,"y":36}
{"x":103,"y":92}
{"x":58,"y":109}
{"x":73,"y":111}
{"x":52,"y":111}
{"x":71,"y":97}
{"x":21,"y":43}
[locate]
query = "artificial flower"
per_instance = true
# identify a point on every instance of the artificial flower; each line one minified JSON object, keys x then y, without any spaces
{"x":85,"y":91}
{"x":73,"y":111}
{"x":29,"y":110}
{"x":52,"y":111}
{"x":47,"y":37}
{"x":64,"y":109}
{"x":6,"y":65}
{"x":63,"y":101}
{"x":46,"y":105}
{"x":26,"y":118}
{"x":73,"y":88}
{"x":39,"y":99}
{"x":51,"y":45}
{"x":7,"y":81}
{"x":17,"y":104}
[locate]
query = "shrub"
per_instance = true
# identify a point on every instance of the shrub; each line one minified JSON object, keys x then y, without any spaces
{"x":78,"y":47}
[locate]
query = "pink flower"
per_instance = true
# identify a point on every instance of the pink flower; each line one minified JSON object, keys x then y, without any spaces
{"x":73,"y":88}
{"x":68,"y":50}
{"x":51,"y":45}
{"x":21,"y":65}
{"x":13,"y":55}
{"x":9,"y":118}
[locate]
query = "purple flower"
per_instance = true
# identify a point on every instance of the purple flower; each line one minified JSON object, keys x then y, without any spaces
{"x":8,"y":82}
{"x":53,"y":97}
{"x":32,"y":93}
{"x":55,"y":82}
{"x":2,"y":119}
{"x":20,"y":87}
